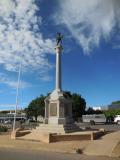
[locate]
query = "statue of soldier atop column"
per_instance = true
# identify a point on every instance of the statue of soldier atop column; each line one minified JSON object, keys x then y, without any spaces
{"x":59,"y":39}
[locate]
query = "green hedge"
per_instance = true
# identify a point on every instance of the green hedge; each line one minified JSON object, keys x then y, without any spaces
{"x":3,"y":129}
{"x":114,"y":112}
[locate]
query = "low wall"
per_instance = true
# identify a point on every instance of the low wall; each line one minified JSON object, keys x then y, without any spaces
{"x":97,"y":135}
{"x":54,"y":137}
{"x":57,"y":138}
{"x":75,"y":137}
{"x":18,"y":133}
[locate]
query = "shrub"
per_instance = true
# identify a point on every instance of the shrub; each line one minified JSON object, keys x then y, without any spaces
{"x":3,"y":129}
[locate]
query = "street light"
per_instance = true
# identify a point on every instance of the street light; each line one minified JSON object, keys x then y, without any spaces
{"x":17,"y":94}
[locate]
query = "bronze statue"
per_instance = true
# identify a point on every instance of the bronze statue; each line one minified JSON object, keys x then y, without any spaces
{"x":59,"y":39}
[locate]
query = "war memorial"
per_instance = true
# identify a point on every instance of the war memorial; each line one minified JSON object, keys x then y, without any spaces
{"x":58,"y":124}
{"x":58,"y":105}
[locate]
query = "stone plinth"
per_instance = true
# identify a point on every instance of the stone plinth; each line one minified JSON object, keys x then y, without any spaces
{"x":58,"y":108}
{"x":58,"y":114}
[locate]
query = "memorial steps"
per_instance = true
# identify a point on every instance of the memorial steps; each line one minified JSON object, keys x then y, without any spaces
{"x":57,"y":128}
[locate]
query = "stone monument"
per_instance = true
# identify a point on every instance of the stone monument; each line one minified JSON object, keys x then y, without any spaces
{"x":58,"y":113}
{"x":58,"y":105}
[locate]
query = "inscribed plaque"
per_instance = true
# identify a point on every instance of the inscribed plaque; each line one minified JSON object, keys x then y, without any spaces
{"x":53,"y":109}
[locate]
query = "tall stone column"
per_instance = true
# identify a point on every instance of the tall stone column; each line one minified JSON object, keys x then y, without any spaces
{"x":58,"y":50}
{"x":58,"y":105}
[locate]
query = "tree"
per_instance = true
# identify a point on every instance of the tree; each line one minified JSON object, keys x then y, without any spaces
{"x":116,"y":102}
{"x":112,"y":112}
{"x":4,"y":112}
{"x":78,"y":106}
{"x":92,"y":111}
{"x":36,"y":107}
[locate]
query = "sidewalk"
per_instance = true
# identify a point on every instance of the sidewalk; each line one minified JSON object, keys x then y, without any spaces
{"x":108,"y":145}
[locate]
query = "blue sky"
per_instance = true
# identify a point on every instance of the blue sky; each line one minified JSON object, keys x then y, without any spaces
{"x":91,"y":55}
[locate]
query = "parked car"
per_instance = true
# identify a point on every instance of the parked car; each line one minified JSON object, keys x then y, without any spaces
{"x":94,"y":118}
{"x":117,"y":119}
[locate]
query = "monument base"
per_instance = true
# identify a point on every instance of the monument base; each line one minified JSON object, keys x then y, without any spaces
{"x":58,"y":108}
{"x":57,"y":128}
{"x":47,"y":137}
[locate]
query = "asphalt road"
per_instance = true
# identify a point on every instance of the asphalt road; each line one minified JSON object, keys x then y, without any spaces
{"x":107,"y":127}
{"x":10,"y":154}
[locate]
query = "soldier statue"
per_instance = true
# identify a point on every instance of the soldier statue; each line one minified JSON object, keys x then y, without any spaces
{"x":59,"y":39}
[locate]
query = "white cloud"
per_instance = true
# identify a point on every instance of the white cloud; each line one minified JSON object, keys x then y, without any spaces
{"x":20,"y":36}
{"x":46,"y":78}
{"x":89,"y":20}
{"x":4,"y":79}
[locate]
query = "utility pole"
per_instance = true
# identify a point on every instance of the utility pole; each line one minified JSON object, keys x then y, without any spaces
{"x":17,"y":94}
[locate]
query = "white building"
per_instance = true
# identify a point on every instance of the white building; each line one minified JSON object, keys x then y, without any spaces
{"x":97,"y":108}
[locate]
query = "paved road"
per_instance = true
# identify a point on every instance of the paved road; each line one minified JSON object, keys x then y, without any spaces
{"x":10,"y":154}
{"x":107,"y":127}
